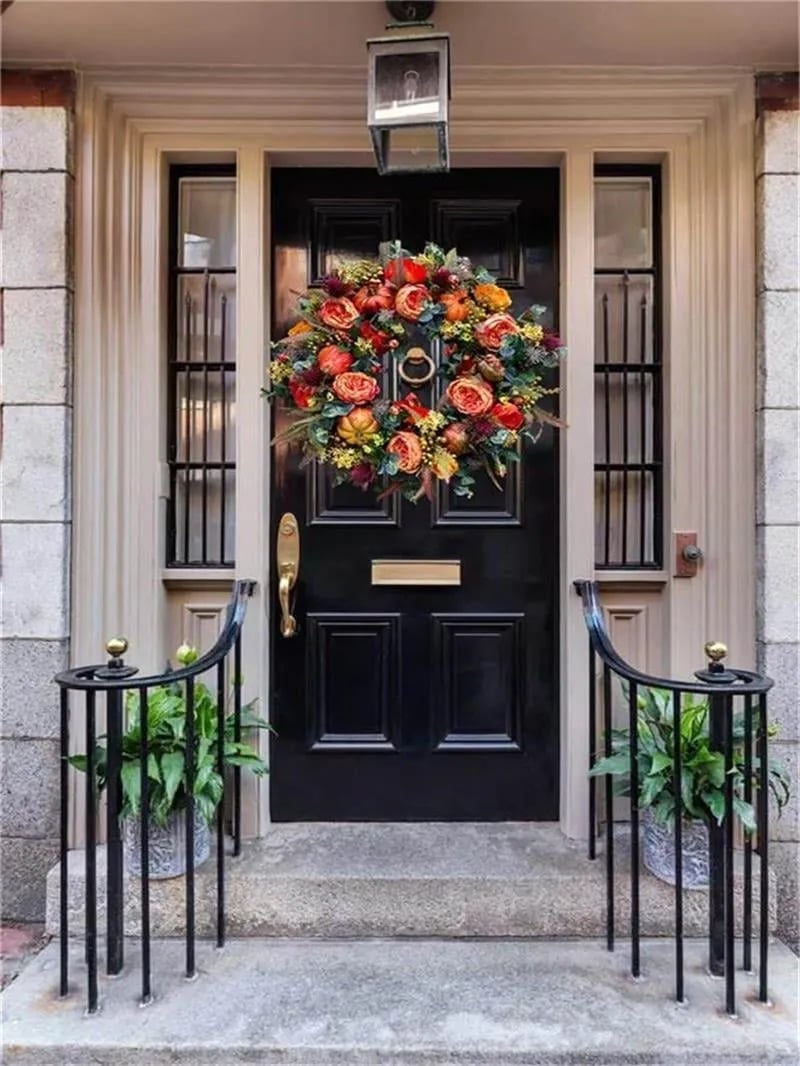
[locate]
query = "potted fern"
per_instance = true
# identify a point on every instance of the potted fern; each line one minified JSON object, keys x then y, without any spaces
{"x":702,"y":782}
{"x":167,"y":784}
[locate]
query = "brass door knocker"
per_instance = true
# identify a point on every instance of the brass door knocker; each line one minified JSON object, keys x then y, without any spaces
{"x":416,"y":356}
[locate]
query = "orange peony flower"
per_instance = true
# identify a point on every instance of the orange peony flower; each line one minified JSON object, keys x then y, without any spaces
{"x":508,"y":415}
{"x":338,"y":313}
{"x":334,"y":360}
{"x":491,"y":331}
{"x":456,"y":305}
{"x":355,"y":387}
{"x":358,"y":426}
{"x":411,"y":301}
{"x":492,"y":297}
{"x":300,"y":327}
{"x":444,"y":464}
{"x":470,"y":396}
{"x":406,"y":446}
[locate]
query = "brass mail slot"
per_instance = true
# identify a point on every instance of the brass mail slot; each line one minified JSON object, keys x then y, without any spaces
{"x":416,"y":571}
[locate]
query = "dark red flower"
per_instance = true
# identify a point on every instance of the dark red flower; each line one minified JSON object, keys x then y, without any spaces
{"x":405,"y":271}
{"x":312,"y":376}
{"x":362,"y":475}
{"x":551,"y":341}
{"x":412,"y":407}
{"x":443,"y":278}
{"x":336,"y":286}
{"x":303,"y":395}
{"x":482,"y":428}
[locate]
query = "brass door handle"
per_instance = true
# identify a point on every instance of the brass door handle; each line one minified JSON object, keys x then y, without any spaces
{"x":287,"y":555}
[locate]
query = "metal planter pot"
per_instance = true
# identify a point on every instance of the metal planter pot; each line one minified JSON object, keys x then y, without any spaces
{"x":658,"y":851}
{"x":167,"y":850}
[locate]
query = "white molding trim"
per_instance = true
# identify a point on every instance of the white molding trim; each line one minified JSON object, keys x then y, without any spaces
{"x":130,"y":122}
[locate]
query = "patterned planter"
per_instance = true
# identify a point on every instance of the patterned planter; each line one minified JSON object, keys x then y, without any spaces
{"x":658,"y":851}
{"x":167,"y":851}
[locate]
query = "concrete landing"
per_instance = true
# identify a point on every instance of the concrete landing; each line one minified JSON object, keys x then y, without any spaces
{"x":421,"y":879}
{"x":402,"y":1003}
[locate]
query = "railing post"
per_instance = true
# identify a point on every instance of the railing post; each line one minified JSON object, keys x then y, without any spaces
{"x":716,"y":674}
{"x":115,"y":670}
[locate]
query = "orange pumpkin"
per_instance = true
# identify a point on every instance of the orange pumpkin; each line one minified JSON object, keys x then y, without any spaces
{"x":358,"y":426}
{"x":456,"y":305}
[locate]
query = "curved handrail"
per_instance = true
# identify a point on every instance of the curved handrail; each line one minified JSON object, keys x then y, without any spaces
{"x":747,"y":682}
{"x":84,"y":677}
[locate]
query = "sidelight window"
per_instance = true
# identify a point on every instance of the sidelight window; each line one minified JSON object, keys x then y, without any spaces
{"x":628,"y":445}
{"x":202,"y":367}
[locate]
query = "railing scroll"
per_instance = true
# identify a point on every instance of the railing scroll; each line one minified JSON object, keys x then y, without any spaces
{"x":725,"y":689}
{"x":114,"y":679}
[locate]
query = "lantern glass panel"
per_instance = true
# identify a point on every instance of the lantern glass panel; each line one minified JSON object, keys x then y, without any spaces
{"x":407,"y":88}
{"x":413,"y":148}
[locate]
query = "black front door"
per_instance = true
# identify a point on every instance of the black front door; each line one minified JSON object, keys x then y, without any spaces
{"x":418,"y":702}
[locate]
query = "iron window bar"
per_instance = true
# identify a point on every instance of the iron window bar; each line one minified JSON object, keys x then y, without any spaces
{"x":724,"y":688}
{"x":114,"y":679}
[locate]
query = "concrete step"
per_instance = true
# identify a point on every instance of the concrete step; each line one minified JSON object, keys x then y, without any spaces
{"x":401,"y":1003}
{"x":422,"y":879}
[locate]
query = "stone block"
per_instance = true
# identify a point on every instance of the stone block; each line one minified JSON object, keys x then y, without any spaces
{"x":779,"y":349}
{"x":36,"y":345}
{"x":778,"y":500}
{"x":781,"y":662}
{"x":778,"y":143}
{"x":787,"y":826}
{"x":778,"y":227}
{"x":36,"y":209}
{"x":785,"y":863}
{"x":29,"y":700}
{"x":36,"y":467}
{"x":35,"y":600}
{"x":35,"y":138}
{"x":23,"y":885}
{"x":778,"y":558}
{"x":29,"y":787}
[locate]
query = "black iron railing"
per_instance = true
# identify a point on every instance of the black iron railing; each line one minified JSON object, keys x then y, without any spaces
{"x":114,"y":680}
{"x":724,"y":689}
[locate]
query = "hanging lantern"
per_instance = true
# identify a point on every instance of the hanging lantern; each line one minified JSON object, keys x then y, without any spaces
{"x":407,"y":102}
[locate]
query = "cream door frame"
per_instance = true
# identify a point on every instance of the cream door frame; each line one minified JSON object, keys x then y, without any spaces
{"x":131,"y":123}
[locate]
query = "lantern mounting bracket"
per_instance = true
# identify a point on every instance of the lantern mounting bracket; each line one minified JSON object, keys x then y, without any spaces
{"x":410,"y":11}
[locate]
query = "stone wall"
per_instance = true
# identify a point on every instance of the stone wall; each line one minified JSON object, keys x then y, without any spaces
{"x":778,"y":518}
{"x":35,"y":332}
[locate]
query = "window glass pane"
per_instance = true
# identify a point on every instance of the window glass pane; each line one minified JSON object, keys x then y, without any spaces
{"x":623,"y":225}
{"x":623,"y":318}
{"x":204,"y":516}
{"x":207,"y":225}
{"x":206,"y":318}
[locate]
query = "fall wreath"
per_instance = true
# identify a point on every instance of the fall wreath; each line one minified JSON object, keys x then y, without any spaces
{"x":333,"y":369}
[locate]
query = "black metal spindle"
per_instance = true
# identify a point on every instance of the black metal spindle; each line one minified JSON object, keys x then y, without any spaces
{"x":609,"y":811}
{"x":642,"y":430}
{"x":592,"y":745}
{"x":716,"y":854}
{"x":730,"y":959}
{"x":625,"y":441}
{"x":187,"y":440}
{"x":91,"y":855}
{"x":633,"y":724}
{"x":677,"y":774}
{"x":207,"y":290}
{"x":607,"y":428}
{"x":115,"y":935}
{"x":763,"y":848}
{"x":237,"y":736}
{"x":190,"y":816}
{"x":220,"y":754}
{"x":144,"y":843}
{"x":223,"y":323}
{"x":747,"y":918}
{"x":63,"y":863}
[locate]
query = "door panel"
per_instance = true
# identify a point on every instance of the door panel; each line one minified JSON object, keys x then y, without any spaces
{"x":418,"y":702}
